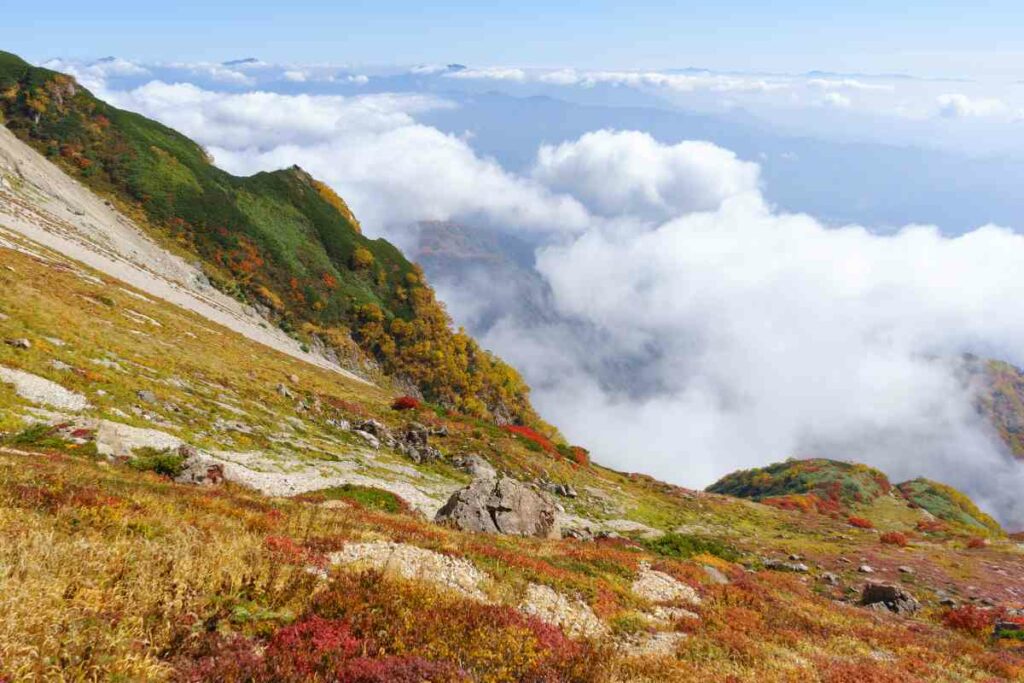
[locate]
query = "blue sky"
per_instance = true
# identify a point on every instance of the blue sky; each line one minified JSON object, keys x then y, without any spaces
{"x":926,"y":38}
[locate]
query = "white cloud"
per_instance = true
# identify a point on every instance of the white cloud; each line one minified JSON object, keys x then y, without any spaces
{"x":489,"y":73}
{"x":390,"y":168}
{"x":760,"y":336}
{"x":957,"y":105}
{"x":837,"y":100}
{"x":629,"y":173}
{"x":847,"y":84}
{"x":296,"y":76}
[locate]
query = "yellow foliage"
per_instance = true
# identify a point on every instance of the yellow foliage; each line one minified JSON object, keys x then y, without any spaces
{"x":332,"y":198}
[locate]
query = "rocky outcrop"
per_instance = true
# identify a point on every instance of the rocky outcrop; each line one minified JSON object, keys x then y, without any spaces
{"x":413,"y":443}
{"x":573,"y":616}
{"x":501,"y":505}
{"x":199,"y":469}
{"x":476,"y":466}
{"x":890,"y":597}
{"x":656,"y":586}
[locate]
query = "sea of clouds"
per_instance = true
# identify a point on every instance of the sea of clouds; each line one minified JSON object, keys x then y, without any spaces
{"x":693,"y":329}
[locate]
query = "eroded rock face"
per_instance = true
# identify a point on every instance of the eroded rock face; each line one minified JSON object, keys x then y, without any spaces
{"x":501,"y":506}
{"x":889,"y":596}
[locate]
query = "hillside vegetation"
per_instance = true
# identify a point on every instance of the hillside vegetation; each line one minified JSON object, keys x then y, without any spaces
{"x":854,"y":492}
{"x":282,"y":241}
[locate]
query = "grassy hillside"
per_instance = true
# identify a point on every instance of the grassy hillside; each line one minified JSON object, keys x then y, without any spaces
{"x":282,"y":241}
{"x":1001,"y":399}
{"x":859,"y":494}
{"x":112,"y":573}
{"x":823,"y":485}
{"x":948,"y":504}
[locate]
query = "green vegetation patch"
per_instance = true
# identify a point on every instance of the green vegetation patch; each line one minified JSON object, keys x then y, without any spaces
{"x":835,"y":484}
{"x":685,"y":546}
{"x":166,"y":462}
{"x":364,"y":496}
{"x":948,"y":504}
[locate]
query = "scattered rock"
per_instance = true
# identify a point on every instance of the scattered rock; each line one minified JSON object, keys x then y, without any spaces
{"x":905,"y":570}
{"x":60,"y":365}
{"x":340,"y":424}
{"x":948,"y":602}
{"x":413,"y":443}
{"x":114,"y":439}
{"x":660,"y":644}
{"x":656,"y":586}
{"x":501,"y":506}
{"x":372,"y":440}
{"x":146,"y":396}
{"x":866,"y":569}
{"x":285,"y":391}
{"x":573,"y":616}
{"x":783,"y":566}
{"x":476,"y":466}
{"x":716,"y":575}
{"x":831,"y":579}
{"x":21,"y":343}
{"x":578,"y":533}
{"x":294,"y":379}
{"x":796,"y":558}
{"x":889,"y":596}
{"x":199,"y":469}
{"x":564,"y":490}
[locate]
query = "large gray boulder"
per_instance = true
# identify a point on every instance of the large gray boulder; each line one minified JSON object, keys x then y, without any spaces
{"x":501,"y":505}
{"x":891,"y":597}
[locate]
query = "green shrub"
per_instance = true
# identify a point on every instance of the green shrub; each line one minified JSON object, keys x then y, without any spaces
{"x":684,"y":546}
{"x":166,"y":462}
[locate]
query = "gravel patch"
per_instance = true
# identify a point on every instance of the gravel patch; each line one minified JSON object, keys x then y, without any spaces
{"x":411,"y":562}
{"x":42,"y":391}
{"x":573,"y":616}
{"x":658,"y":586}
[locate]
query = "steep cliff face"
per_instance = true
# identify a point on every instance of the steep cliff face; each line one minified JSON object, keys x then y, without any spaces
{"x":282,"y":242}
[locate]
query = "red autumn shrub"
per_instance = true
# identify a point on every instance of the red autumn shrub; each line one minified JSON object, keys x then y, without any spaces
{"x":894,"y":538}
{"x":931,"y":525}
{"x":397,"y":670}
{"x":308,"y":648}
{"x":969,"y":618}
{"x":405,"y":403}
{"x":976,"y":542}
{"x":218,"y":657}
{"x":861,"y":523}
{"x":287,"y":551}
{"x":581,"y":456}
{"x":532,"y":435}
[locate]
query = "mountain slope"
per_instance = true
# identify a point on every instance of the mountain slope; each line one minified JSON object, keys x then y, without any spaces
{"x":281,"y":241}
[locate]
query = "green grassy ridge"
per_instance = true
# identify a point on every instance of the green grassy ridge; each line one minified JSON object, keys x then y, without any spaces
{"x":947,"y":504}
{"x":280,"y":239}
{"x":845,"y":483}
{"x":849,"y":487}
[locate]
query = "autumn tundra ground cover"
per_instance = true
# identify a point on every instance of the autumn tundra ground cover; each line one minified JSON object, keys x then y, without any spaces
{"x":112,"y":571}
